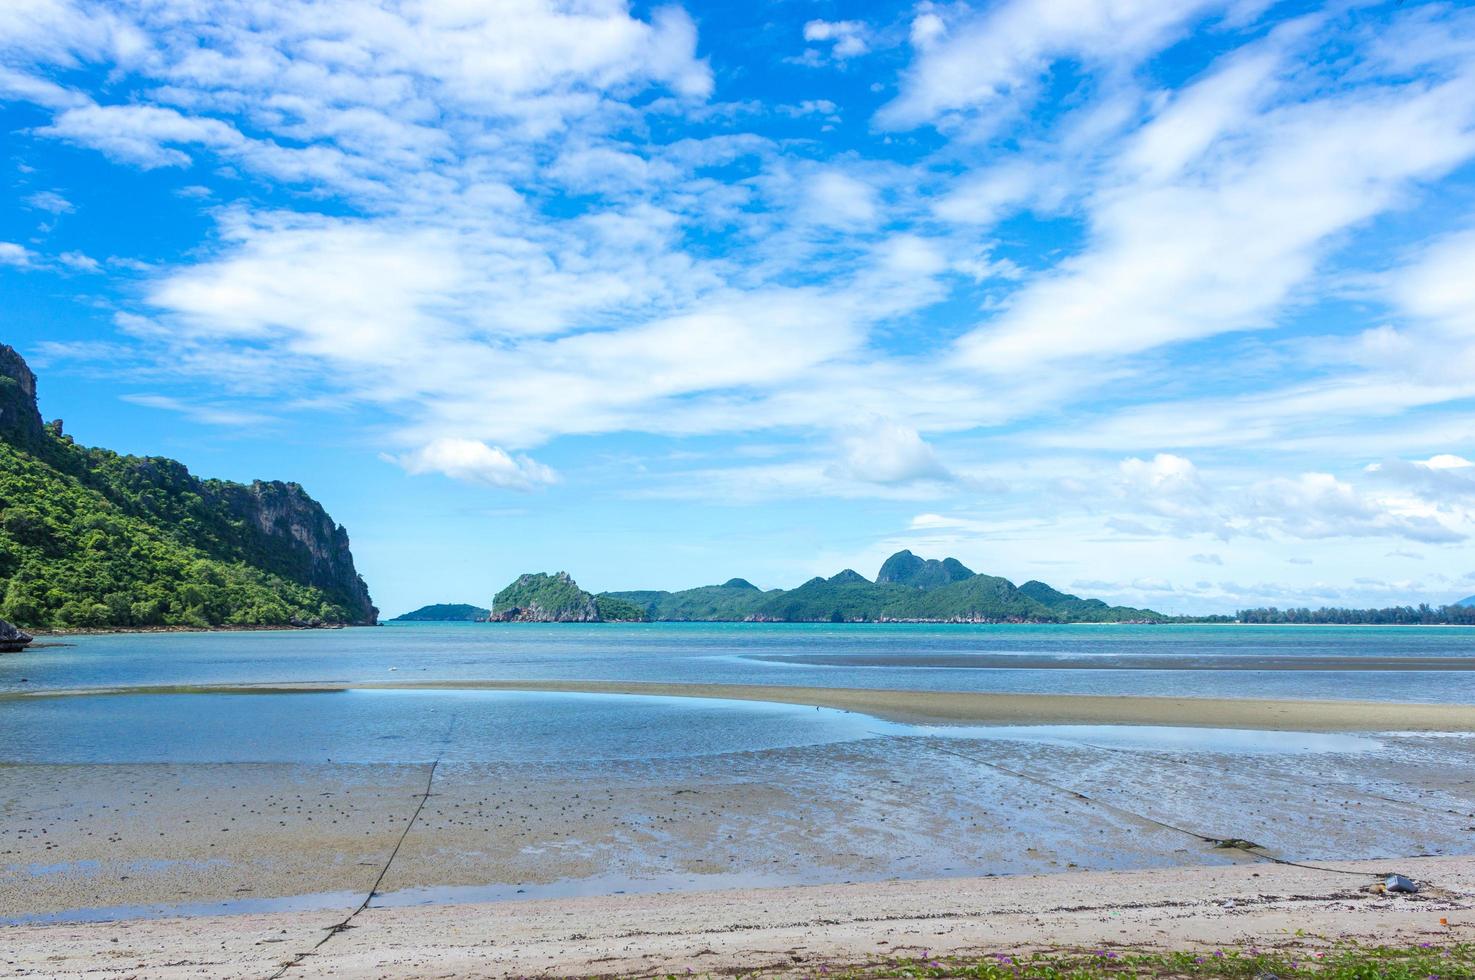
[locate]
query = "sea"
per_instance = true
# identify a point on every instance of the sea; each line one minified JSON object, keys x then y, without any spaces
{"x":125,"y":722}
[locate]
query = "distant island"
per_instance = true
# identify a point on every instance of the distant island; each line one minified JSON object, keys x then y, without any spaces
{"x":93,"y":539}
{"x":445,"y":612}
{"x":906,"y":589}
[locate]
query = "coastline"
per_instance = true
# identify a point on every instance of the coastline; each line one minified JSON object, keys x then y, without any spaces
{"x":940,"y":707}
{"x":803,"y":930}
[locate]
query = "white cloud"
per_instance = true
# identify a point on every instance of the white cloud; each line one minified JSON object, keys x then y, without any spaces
{"x":888,"y":452}
{"x":209,"y":414}
{"x":835,"y":198}
{"x":476,"y":462}
{"x":1203,"y":242}
{"x":79,"y":262}
{"x":848,"y":36}
{"x":50,"y":201}
{"x":1004,"y":53}
{"x":16,"y":255}
{"x":1307,"y":506}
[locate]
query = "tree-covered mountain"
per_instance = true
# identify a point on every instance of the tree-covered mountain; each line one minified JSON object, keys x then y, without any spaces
{"x":907,"y":588}
{"x":905,"y":568}
{"x":445,"y":612}
{"x":91,"y":538}
{"x":734,"y":599}
{"x":542,"y":598}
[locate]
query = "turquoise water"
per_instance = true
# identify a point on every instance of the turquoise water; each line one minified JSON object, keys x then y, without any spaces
{"x":518,"y":727}
{"x":394,"y":726}
{"x":1206,"y":661}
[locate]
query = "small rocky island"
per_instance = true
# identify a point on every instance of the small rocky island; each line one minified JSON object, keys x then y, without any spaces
{"x":543,"y":598}
{"x":13,"y":640}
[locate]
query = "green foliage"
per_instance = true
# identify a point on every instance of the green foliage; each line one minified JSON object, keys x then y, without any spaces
{"x":1424,"y":614}
{"x":553,"y":596}
{"x":905,"y":568}
{"x":951,"y":593}
{"x":727,"y":602}
{"x":446,"y":612}
{"x":1073,"y":609}
{"x":73,"y":555}
{"x":1349,"y":961}
{"x":613,"y":610}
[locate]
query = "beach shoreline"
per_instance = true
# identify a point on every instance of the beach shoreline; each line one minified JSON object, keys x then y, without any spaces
{"x":787,"y":931}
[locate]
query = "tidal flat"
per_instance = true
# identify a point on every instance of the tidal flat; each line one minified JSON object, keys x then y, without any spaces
{"x":148,"y":776}
{"x":549,"y":795}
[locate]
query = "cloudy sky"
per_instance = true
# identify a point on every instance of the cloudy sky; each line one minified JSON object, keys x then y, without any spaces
{"x":1169,"y":303}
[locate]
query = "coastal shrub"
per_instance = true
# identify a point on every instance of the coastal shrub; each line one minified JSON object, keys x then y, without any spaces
{"x":1348,"y":961}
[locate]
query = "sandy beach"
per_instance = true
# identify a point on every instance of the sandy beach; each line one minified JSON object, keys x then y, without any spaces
{"x":962,"y":707}
{"x":780,"y":931}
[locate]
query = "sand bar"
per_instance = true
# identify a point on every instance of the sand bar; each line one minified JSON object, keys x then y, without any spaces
{"x":956,"y":707}
{"x":783,"y":930}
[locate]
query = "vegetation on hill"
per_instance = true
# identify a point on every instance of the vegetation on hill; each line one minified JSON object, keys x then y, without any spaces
{"x":907,"y":588}
{"x":445,"y":612}
{"x":735,"y":599}
{"x":90,"y":538}
{"x":543,"y":598}
{"x":905,"y":568}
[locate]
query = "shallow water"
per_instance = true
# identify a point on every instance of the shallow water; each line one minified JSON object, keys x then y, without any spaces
{"x":1206,"y":661}
{"x":410,"y":726}
{"x":132,"y":803}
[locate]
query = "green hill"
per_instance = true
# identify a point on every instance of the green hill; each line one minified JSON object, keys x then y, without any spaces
{"x":907,"y":588}
{"x":90,"y":538}
{"x":735,"y":599}
{"x":446,"y":612}
{"x":542,"y":598}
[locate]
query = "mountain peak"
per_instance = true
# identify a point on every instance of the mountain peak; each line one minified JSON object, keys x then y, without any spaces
{"x":739,"y":583}
{"x":905,"y":568}
{"x":848,"y":575}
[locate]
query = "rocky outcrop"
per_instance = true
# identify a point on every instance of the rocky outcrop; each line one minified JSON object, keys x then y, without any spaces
{"x":541,"y":598}
{"x":905,"y":568}
{"x":20,"y":420}
{"x":309,"y":547}
{"x":13,"y":640}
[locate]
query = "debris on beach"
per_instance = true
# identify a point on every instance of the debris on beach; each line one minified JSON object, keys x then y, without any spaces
{"x":1394,"y":884}
{"x":1235,"y":843}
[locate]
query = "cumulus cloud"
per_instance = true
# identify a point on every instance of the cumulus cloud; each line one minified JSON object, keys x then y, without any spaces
{"x":473,"y":461}
{"x":888,"y":452}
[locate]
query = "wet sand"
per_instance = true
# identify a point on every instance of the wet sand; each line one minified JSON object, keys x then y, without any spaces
{"x":137,"y":838}
{"x":959,"y":707}
{"x":791,"y":931}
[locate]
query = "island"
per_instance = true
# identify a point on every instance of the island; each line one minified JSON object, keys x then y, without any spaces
{"x":906,"y":589}
{"x":444,"y":612}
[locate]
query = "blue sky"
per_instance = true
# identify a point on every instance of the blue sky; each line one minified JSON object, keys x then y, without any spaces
{"x":1169,"y":303}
